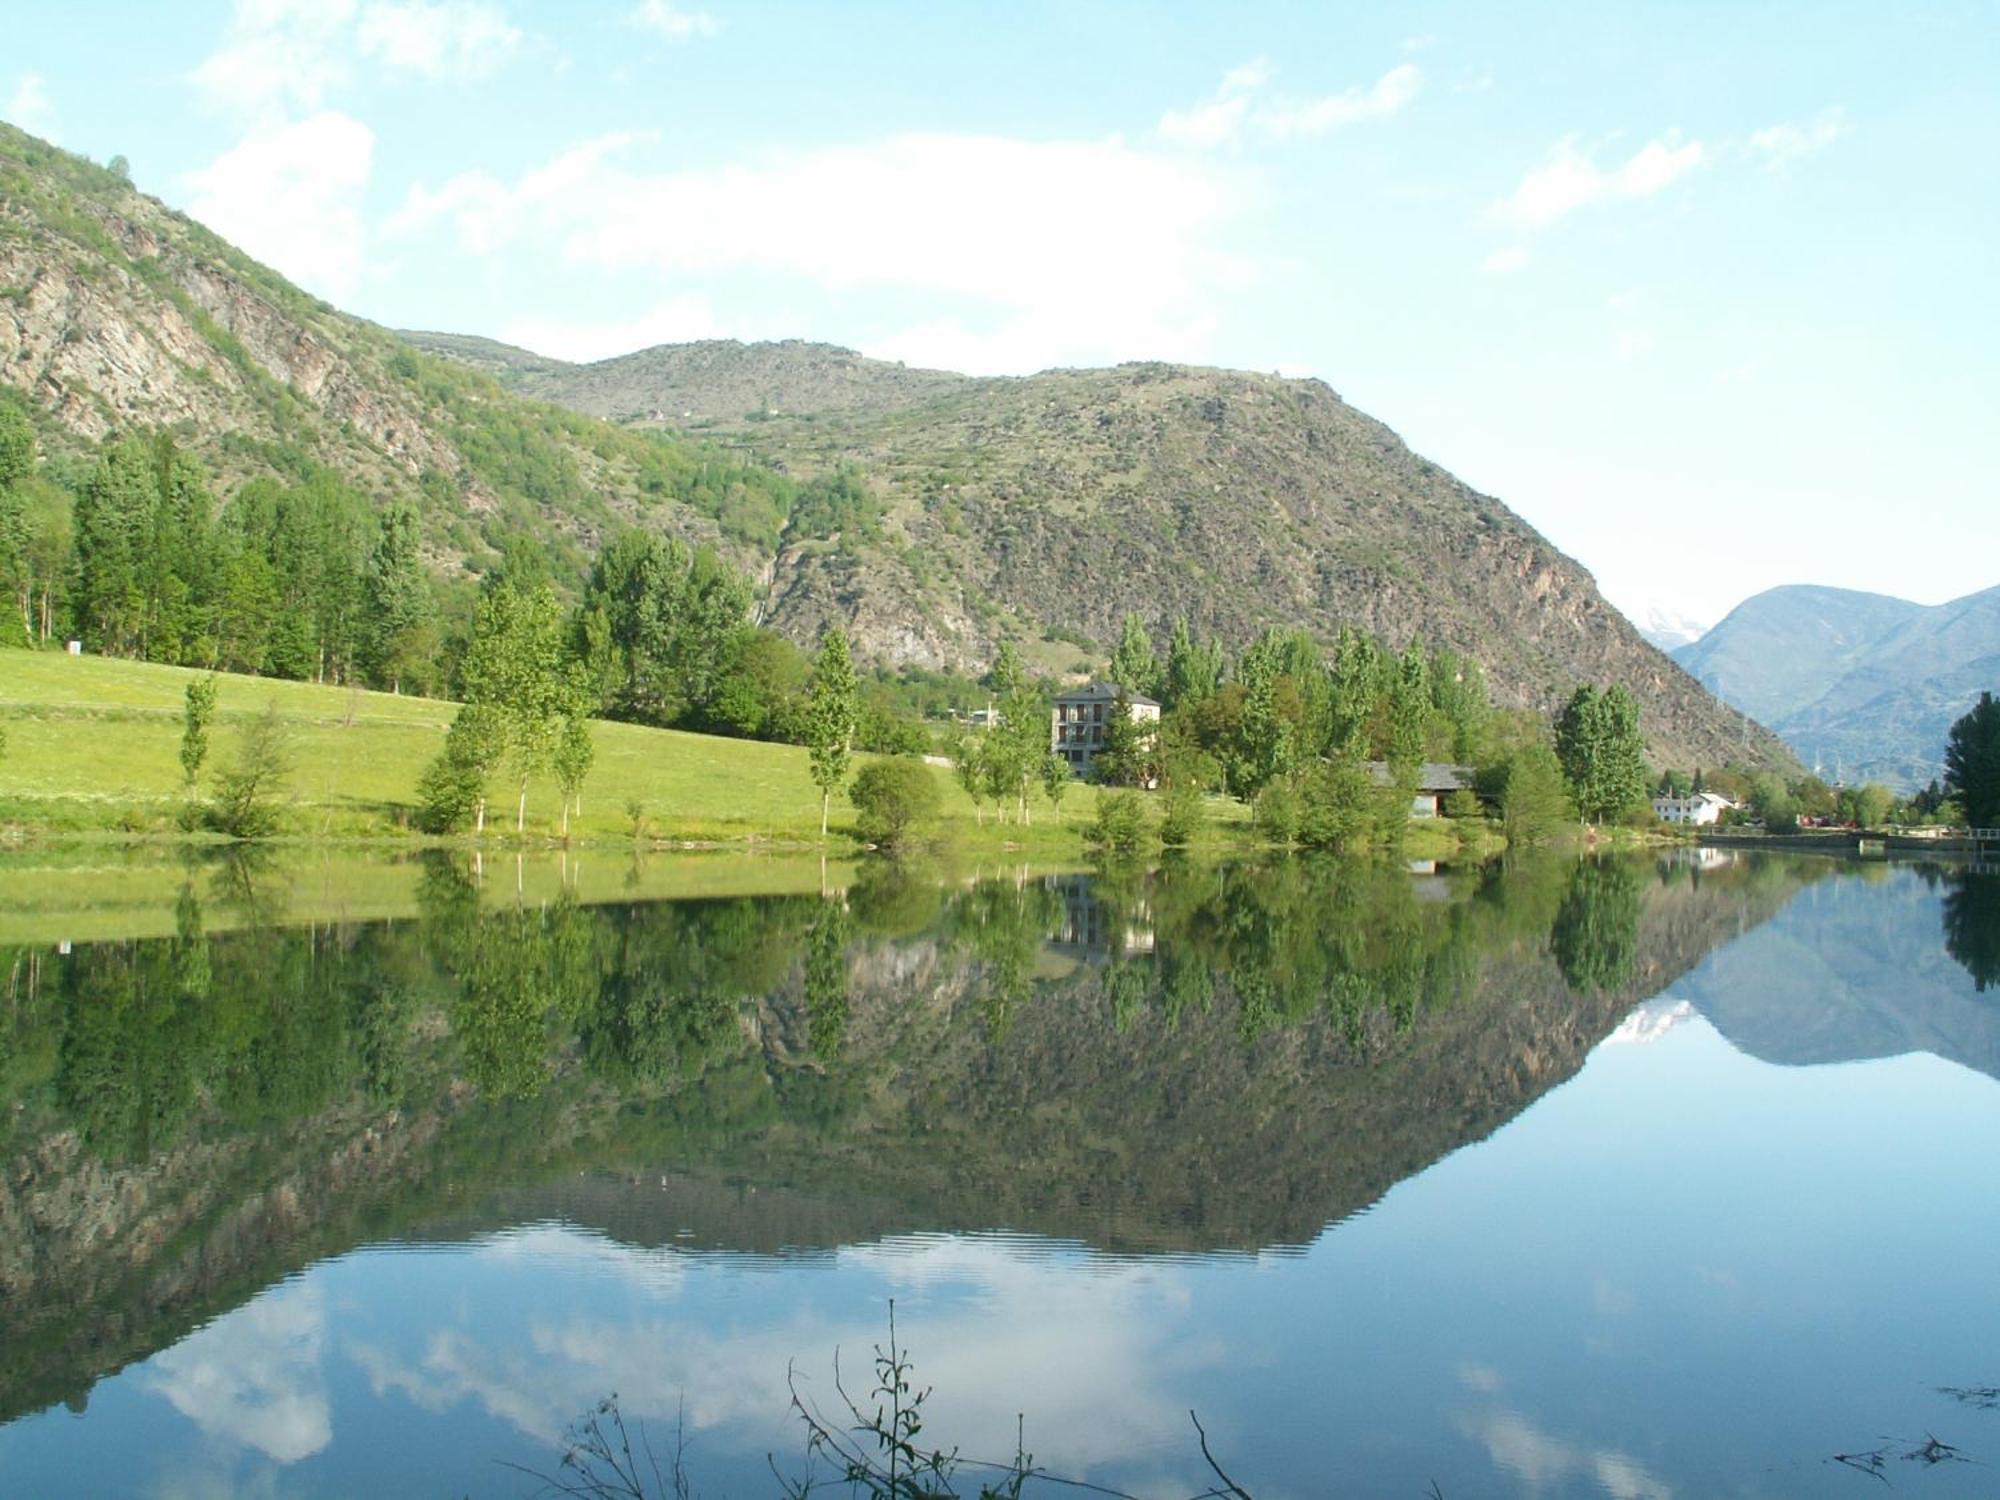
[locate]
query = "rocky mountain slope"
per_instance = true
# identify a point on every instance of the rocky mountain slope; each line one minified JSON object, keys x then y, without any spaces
{"x":1865,"y":685}
{"x":1040,"y":509}
{"x":1051,"y":505}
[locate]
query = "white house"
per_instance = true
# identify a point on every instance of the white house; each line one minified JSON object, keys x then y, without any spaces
{"x":1077,"y":719}
{"x":1696,"y":807}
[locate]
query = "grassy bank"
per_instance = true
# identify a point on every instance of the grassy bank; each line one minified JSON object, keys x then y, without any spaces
{"x":93,"y":747}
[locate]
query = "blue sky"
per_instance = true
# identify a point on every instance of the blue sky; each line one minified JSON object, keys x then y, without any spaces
{"x":1704,"y":291}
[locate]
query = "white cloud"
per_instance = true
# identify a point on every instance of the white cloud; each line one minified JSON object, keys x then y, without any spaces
{"x":30,"y":107}
{"x":1542,"y":1462}
{"x":1030,"y":252}
{"x":1570,"y":179}
{"x":1505,"y":261}
{"x":275,"y":54}
{"x":280,"y":55}
{"x":256,"y":1376}
{"x":1781,"y":145}
{"x":450,"y":39}
{"x":290,"y":194}
{"x":664,"y":18}
{"x":1236,"y":109}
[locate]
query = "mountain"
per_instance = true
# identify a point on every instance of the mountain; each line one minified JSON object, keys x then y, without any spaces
{"x":1865,"y":685}
{"x":1051,"y":505}
{"x":970,"y":511}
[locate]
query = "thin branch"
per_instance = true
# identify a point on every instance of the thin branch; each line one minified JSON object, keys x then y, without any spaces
{"x":1230,"y":1486}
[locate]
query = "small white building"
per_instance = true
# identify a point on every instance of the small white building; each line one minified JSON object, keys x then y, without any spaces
{"x":1699,"y":808}
{"x":1077,"y":720}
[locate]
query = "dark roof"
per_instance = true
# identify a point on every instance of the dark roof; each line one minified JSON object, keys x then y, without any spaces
{"x":1431,"y":776}
{"x":1104,"y":692}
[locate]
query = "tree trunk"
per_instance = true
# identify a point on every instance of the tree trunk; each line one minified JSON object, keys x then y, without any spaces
{"x":479,"y":817}
{"x":521,"y":808}
{"x":825,"y":799}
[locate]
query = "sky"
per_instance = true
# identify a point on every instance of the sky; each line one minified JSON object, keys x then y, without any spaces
{"x":1704,"y":291}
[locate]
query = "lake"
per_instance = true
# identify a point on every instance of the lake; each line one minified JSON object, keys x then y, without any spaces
{"x":1664,"y":1176}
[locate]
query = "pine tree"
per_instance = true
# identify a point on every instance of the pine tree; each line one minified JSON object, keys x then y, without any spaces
{"x":1972,"y":763}
{"x":832,"y":711}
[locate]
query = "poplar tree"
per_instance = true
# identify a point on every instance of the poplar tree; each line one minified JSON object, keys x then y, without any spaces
{"x":1602,"y":755}
{"x":832,"y":711}
{"x":397,"y":594}
{"x":1133,"y":665}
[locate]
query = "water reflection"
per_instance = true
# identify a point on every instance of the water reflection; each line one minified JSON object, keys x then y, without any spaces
{"x":1061,"y":1111}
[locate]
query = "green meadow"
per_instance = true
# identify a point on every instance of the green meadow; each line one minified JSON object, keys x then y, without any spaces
{"x":92,"y":746}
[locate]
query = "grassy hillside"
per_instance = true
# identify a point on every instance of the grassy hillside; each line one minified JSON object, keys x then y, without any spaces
{"x":93,"y":744}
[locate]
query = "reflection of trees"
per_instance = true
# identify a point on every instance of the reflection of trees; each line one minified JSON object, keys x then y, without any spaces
{"x":1972,"y":926}
{"x":826,"y":980}
{"x":1003,"y":924}
{"x":1596,"y":931}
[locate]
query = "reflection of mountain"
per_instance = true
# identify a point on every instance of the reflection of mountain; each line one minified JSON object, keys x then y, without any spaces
{"x":1852,"y":968}
{"x":200,"y":1116}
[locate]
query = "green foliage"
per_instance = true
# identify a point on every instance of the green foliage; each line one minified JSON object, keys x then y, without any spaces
{"x":399,"y":641}
{"x":1275,"y":814}
{"x":452,"y":790}
{"x":1602,"y":755}
{"x":1134,"y":668}
{"x":1342,"y":807}
{"x":1057,"y":777}
{"x":1180,"y":812}
{"x":1596,"y":932}
{"x":1193,"y":672}
{"x":245,"y":802}
{"x":197,"y":713}
{"x":517,"y":666}
{"x":1528,"y":786}
{"x":832,"y":710}
{"x":1972,"y":763}
{"x":1120,"y":827}
{"x":894,"y":799}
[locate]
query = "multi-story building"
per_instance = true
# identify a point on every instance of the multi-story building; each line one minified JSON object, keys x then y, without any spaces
{"x":1077,"y":720}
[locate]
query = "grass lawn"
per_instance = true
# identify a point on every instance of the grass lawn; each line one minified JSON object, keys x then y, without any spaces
{"x":93,"y":746}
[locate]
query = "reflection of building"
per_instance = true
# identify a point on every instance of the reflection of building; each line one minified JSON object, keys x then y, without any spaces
{"x":1097,"y":928}
{"x":1077,"y":721}
{"x":1697,"y":807}
{"x":1435,"y":782}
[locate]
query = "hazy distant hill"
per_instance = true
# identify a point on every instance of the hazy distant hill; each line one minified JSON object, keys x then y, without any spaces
{"x":1855,"y":967}
{"x":1038,"y":509}
{"x":1864,"y":684}
{"x":1048,"y":506}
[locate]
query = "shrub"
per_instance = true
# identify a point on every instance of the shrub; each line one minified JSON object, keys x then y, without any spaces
{"x":1463,"y":803}
{"x":245,"y":794}
{"x":1121,"y":823}
{"x":1276,"y":812}
{"x":1180,"y":814}
{"x":893,"y":798}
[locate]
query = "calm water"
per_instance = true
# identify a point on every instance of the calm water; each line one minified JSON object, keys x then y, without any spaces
{"x":1633,"y":1180}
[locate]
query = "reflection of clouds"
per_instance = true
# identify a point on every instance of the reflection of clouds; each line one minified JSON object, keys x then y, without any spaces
{"x":1649,"y":1021}
{"x":1542,"y":1461}
{"x":1001,"y":1324}
{"x":254,"y":1376}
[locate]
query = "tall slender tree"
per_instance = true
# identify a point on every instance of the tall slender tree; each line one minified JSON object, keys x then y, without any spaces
{"x":833,"y":709}
{"x":1972,"y":763}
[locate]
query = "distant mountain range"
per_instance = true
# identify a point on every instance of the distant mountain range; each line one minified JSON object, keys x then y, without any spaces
{"x":1864,"y":686}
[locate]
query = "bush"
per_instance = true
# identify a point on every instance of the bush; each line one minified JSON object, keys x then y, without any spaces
{"x":1180,"y":814}
{"x":894,"y":799}
{"x":1463,"y":803}
{"x":1275,"y":814}
{"x":244,"y":806}
{"x":1121,"y":823}
{"x":1341,"y":807}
